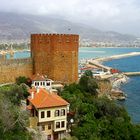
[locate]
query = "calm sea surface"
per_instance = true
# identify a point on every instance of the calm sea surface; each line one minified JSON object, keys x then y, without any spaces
{"x":132,"y":88}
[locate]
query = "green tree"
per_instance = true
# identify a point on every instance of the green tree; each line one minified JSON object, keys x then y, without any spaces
{"x":83,"y":82}
{"x":23,"y":79}
{"x":15,"y":93}
{"x":13,"y":121}
{"x":88,"y":73}
{"x":97,"y":118}
{"x":88,"y":84}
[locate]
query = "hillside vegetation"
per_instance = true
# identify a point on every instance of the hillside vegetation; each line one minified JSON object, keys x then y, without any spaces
{"x":94,"y":118}
{"x":97,"y":118}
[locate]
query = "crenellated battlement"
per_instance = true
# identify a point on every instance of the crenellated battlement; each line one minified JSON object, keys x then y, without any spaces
{"x":49,"y":35}
{"x":60,"y":38}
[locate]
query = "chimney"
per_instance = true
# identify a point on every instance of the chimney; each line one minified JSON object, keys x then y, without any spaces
{"x":68,"y":108}
{"x":37,"y":90}
{"x":32,"y":95}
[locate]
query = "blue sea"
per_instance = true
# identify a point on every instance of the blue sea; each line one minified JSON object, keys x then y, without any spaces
{"x":129,"y":64}
{"x":23,"y":54}
{"x":132,"y":88}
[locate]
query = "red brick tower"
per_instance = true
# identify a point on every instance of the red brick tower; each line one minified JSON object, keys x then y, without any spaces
{"x":56,"y":55}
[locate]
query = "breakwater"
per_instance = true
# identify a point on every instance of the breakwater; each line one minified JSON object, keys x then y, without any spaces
{"x":98,"y":62}
{"x":132,"y":73}
{"x":95,"y":63}
{"x":117,"y":56}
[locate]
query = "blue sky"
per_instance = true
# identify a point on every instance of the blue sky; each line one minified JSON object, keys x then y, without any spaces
{"x":117,"y":15}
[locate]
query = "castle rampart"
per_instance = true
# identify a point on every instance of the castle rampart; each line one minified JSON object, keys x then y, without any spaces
{"x":56,"y":55}
{"x":13,"y":68}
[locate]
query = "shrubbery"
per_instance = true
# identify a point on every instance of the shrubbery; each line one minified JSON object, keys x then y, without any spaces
{"x":97,"y":118}
{"x":13,"y":120}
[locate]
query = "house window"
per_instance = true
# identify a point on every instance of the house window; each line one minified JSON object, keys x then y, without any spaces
{"x":57,"y":125}
{"x":57,"y":113}
{"x":62,"y":112}
{"x":49,"y":137}
{"x":35,"y":83}
{"x":48,"y":113}
{"x":43,"y":127}
{"x":43,"y":83}
{"x":63,"y":124}
{"x":49,"y":126}
{"x":48,"y":83}
{"x":42,"y":114}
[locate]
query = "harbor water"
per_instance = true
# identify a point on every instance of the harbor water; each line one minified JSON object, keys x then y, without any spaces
{"x":132,"y":87}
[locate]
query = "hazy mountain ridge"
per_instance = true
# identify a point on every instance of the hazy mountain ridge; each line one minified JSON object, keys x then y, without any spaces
{"x":19,"y":26}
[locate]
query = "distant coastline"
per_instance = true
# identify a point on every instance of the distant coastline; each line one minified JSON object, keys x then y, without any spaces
{"x":119,"y":56}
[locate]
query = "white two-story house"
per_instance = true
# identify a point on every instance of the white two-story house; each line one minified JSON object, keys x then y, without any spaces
{"x":48,"y":113}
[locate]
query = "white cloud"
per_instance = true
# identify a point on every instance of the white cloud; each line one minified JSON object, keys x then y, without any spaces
{"x":105,"y":14}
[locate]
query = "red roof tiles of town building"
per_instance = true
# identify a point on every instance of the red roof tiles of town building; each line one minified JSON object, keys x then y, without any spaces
{"x":38,"y":77}
{"x":44,"y":99}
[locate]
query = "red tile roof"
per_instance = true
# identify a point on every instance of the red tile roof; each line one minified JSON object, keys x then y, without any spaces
{"x":38,"y":77}
{"x":86,"y":68}
{"x":44,"y":99}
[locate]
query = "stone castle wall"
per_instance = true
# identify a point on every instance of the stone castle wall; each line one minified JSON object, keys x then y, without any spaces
{"x":13,"y":68}
{"x":56,"y":55}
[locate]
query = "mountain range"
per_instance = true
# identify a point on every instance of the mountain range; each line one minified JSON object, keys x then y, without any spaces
{"x":19,"y":27}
